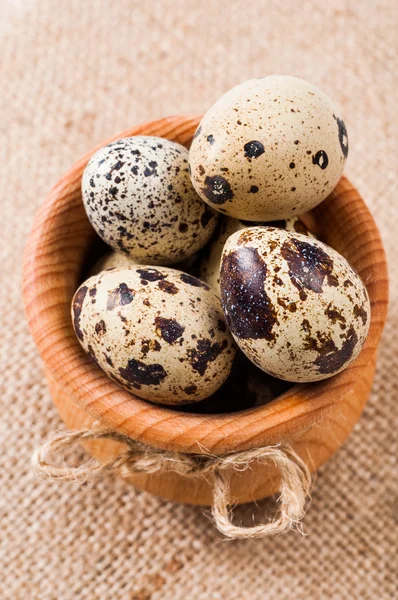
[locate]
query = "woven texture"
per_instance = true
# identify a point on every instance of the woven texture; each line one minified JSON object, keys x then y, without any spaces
{"x":72,"y":74}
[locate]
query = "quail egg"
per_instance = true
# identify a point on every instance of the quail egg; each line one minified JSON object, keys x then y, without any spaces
{"x":157,"y":332}
{"x":293,"y":304}
{"x":210,"y":264}
{"x":111,"y":260}
{"x":139,"y":198}
{"x":269,"y":149}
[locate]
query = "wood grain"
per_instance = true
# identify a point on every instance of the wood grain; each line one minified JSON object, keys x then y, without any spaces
{"x":314,"y":418}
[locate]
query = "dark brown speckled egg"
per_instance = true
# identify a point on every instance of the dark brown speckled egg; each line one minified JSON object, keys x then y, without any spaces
{"x":210,"y":265}
{"x":140,"y":200}
{"x":270,"y":148}
{"x":293,"y":304}
{"x":158,"y":332}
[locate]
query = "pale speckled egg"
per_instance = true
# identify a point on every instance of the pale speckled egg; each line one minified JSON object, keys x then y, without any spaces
{"x":293,"y":304}
{"x":112,"y":260}
{"x":269,"y":149}
{"x":157,"y":332}
{"x":140,"y":200}
{"x":210,"y":264}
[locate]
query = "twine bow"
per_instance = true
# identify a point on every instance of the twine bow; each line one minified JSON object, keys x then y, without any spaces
{"x":140,"y":458}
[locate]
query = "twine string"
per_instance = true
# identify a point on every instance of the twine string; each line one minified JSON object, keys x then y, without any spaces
{"x":295,"y":479}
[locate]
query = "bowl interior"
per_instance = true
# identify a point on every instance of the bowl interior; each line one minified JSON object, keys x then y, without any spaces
{"x":58,"y":250}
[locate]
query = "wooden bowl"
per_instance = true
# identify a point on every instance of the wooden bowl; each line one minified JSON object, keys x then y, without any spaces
{"x":314,"y":418}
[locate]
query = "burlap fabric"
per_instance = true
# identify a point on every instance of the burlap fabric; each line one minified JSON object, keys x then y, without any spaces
{"x":72,"y":74}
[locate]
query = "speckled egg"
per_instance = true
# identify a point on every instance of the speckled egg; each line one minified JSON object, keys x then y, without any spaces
{"x":157,"y":332}
{"x":139,"y":198}
{"x":112,"y":260}
{"x":293,"y":304}
{"x":210,"y":264}
{"x":269,"y":149}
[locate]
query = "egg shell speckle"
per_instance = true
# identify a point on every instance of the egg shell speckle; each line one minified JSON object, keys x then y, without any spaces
{"x":140,"y":200}
{"x":157,"y":332}
{"x":210,"y":264}
{"x":294,"y":305}
{"x":269,"y":149}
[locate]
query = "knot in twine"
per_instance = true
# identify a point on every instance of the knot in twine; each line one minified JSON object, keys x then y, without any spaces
{"x":139,"y":458}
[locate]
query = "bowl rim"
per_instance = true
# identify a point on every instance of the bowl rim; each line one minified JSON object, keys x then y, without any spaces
{"x":51,"y":265}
